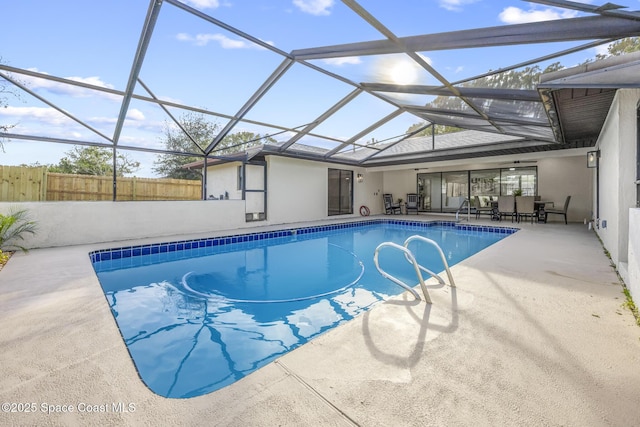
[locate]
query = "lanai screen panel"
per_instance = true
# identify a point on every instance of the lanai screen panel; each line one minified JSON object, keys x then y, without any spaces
{"x":246,"y":63}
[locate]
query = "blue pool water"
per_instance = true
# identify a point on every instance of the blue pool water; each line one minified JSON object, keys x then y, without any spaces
{"x":199,"y":315}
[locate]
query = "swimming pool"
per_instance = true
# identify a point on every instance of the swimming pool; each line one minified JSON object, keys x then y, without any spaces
{"x":201,"y":314}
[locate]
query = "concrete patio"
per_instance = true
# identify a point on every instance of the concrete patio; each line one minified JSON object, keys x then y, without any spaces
{"x":534,"y":334}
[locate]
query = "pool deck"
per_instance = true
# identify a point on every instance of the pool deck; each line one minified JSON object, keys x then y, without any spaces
{"x":535,"y":333}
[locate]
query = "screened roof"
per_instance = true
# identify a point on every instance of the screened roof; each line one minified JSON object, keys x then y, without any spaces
{"x":334,"y":81}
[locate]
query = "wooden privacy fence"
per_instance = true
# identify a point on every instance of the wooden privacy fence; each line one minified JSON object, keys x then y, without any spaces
{"x":36,"y":184}
{"x":21,"y":184}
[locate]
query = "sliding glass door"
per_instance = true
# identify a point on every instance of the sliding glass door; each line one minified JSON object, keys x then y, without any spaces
{"x":340,"y":192}
{"x":485,"y":184}
{"x":455,"y":189}
{"x":445,"y":191}
{"x":429,"y":192}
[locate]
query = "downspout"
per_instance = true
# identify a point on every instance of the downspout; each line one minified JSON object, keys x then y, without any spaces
{"x":115,"y":182}
{"x":204,"y":179}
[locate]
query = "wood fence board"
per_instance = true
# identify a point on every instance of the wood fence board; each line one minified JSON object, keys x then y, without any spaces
{"x":33,"y":184}
{"x":18,"y":184}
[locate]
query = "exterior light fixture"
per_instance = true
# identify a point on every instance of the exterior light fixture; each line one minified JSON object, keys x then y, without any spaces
{"x":592,"y":159}
{"x":360,"y":177}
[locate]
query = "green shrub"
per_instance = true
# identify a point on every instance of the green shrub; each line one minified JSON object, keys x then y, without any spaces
{"x":13,"y":228}
{"x":3,"y":258}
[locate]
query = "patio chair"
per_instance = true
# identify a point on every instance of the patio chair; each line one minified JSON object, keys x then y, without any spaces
{"x":482,"y":209}
{"x":389,"y":206}
{"x":558,"y":211}
{"x":412,"y":203}
{"x":507,"y":206}
{"x":525,"y":207}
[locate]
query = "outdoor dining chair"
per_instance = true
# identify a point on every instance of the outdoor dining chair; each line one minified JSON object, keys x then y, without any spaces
{"x":525,"y":207}
{"x":482,"y":209}
{"x":558,"y":211}
{"x":507,"y":206}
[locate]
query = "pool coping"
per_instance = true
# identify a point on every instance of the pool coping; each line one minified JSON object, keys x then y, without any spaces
{"x":206,"y":242}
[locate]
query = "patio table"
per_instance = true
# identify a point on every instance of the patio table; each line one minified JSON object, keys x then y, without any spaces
{"x":539,"y":206}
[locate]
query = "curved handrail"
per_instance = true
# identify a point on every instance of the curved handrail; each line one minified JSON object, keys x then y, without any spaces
{"x":411,"y":259}
{"x":444,"y":259}
{"x":464,"y":203}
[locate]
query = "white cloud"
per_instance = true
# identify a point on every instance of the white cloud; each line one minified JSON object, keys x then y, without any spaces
{"x":55,"y":87}
{"x":455,"y":5}
{"x":224,"y":41}
{"x":203,"y":4}
{"x":43,"y":115}
{"x":135,"y":114}
{"x":314,"y":7}
{"x":351,"y":60}
{"x":515,"y":15}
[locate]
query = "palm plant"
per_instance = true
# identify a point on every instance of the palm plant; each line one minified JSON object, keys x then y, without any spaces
{"x":13,"y":227}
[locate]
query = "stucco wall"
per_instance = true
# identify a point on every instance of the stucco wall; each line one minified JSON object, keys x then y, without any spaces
{"x":559,"y":177}
{"x":617,"y":144}
{"x":225,"y":179}
{"x":633,"y":271}
{"x":297,"y":190}
{"x":399,"y":183}
{"x":73,"y":223}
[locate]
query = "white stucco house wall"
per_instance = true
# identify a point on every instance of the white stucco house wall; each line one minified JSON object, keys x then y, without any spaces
{"x":617,"y":224}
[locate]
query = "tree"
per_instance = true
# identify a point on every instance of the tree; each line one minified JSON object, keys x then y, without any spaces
{"x":94,"y":161}
{"x":620,"y":47}
{"x":5,"y":91}
{"x":240,"y":141}
{"x":526,"y":78}
{"x":439,"y":129}
{"x":203,"y":132}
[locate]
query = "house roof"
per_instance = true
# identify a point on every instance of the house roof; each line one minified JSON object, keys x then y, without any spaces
{"x":578,"y":99}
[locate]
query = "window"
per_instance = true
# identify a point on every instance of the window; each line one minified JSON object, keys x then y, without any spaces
{"x":523,"y":179}
{"x":240,"y":177}
{"x":455,"y":186}
{"x":340,"y":191}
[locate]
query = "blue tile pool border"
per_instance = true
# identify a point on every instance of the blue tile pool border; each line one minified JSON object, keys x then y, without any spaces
{"x":161,"y":248}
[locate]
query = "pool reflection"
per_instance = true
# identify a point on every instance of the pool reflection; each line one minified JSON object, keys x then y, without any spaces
{"x":185,"y":345}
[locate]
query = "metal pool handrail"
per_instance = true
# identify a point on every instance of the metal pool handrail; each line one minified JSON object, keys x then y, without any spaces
{"x":444,"y":259}
{"x":411,"y":259}
{"x":418,"y":268}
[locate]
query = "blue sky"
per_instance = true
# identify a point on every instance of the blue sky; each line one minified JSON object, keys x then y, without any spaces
{"x":192,"y":62}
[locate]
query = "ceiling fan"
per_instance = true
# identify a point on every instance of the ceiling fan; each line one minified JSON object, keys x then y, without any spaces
{"x":516,"y":162}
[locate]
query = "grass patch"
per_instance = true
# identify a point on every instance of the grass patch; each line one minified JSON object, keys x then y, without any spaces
{"x":628,"y":304}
